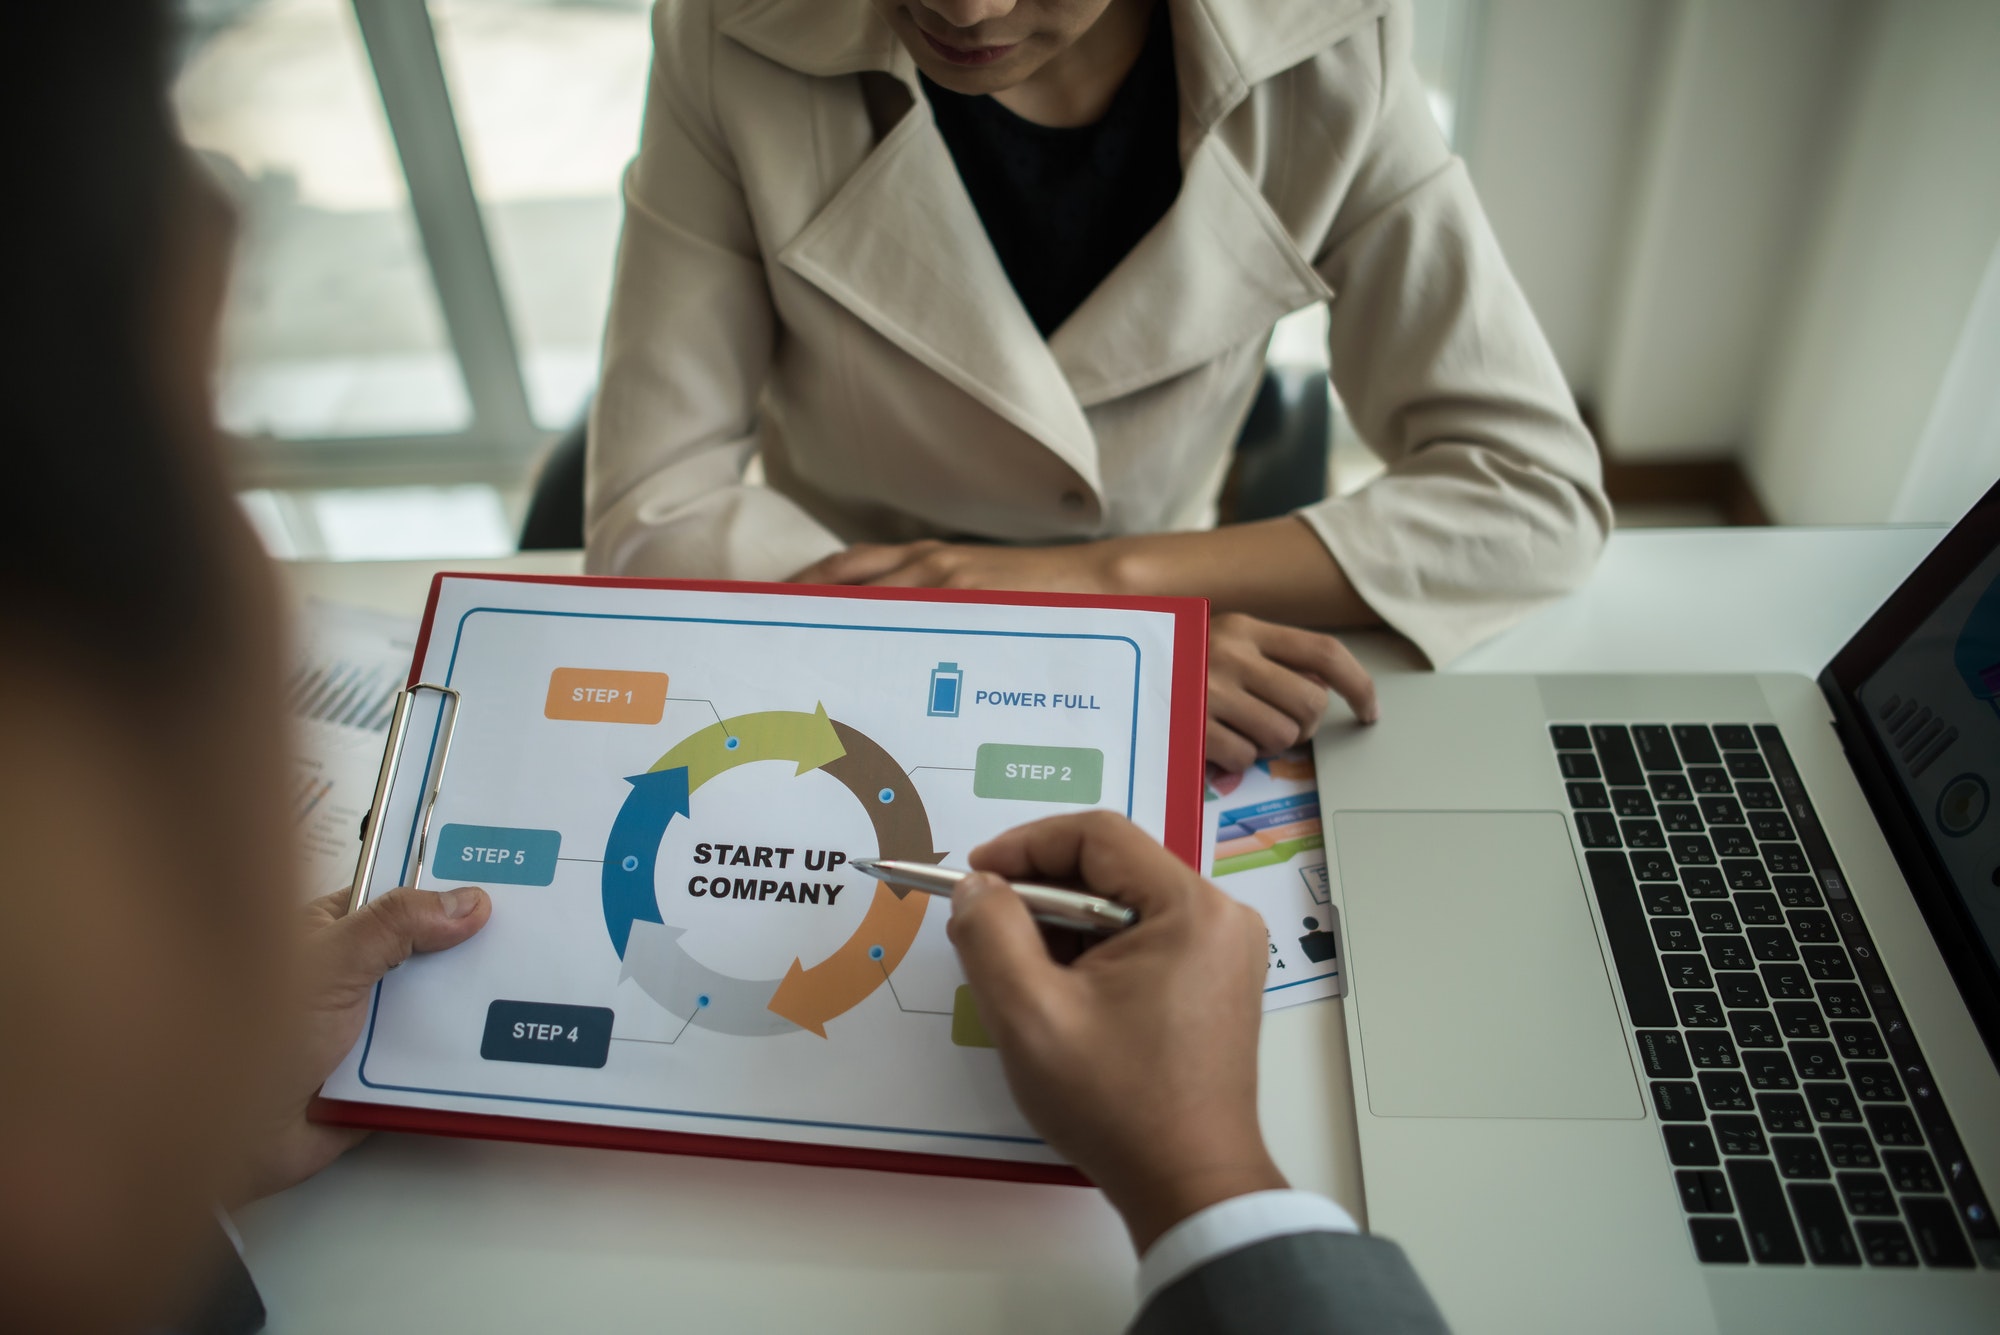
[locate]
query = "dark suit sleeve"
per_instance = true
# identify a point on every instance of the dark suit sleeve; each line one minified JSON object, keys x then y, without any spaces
{"x":231,"y":1304}
{"x":1299,"y":1284}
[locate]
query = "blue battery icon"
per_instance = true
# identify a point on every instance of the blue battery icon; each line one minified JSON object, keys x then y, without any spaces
{"x":946,"y":680}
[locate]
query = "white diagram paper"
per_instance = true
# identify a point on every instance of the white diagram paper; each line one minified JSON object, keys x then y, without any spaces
{"x":662,"y":790}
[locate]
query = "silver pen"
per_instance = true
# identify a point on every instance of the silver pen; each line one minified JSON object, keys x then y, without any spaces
{"x":1049,"y":904}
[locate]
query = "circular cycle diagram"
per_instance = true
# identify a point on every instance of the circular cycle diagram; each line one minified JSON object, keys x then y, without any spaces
{"x":805,"y":997}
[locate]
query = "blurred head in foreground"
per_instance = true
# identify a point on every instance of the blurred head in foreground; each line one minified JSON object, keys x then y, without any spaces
{"x":142,"y":774}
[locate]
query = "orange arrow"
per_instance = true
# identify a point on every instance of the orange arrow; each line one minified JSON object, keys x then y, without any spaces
{"x":844,"y":979}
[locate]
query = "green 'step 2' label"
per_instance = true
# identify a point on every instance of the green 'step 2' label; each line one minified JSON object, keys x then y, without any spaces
{"x":1039,"y":773}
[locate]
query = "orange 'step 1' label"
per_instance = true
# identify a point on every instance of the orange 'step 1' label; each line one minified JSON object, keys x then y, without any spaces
{"x":606,"y":695}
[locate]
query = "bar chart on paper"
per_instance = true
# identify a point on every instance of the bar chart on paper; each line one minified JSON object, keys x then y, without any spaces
{"x":341,"y":692}
{"x":1264,"y":845}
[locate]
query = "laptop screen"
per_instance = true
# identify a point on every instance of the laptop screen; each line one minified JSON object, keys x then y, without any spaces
{"x":1920,"y":685}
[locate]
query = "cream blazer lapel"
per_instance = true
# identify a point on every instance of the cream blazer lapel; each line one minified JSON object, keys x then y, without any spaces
{"x":901,"y":246}
{"x":1217,"y":271}
{"x":1220,"y":268}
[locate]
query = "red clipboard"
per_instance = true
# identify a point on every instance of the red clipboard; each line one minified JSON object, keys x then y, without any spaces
{"x":1188,"y":715}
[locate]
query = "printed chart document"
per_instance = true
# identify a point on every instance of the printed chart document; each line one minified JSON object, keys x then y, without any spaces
{"x":350,"y":664}
{"x":663,"y":786}
{"x":1263,"y":844}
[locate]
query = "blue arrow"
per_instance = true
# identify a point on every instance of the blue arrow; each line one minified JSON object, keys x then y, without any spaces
{"x":634,"y":845}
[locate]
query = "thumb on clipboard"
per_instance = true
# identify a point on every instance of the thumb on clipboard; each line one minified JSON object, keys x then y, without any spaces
{"x":341,"y":958}
{"x":357,"y":948}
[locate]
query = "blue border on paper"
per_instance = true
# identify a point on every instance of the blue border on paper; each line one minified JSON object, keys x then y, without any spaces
{"x":458,"y":639}
{"x":1316,"y":978}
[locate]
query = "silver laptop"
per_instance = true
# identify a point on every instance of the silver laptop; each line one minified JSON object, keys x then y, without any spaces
{"x":1674,"y":999}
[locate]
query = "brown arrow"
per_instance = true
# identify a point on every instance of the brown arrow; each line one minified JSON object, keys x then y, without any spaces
{"x":842,"y":981}
{"x":902,"y":827}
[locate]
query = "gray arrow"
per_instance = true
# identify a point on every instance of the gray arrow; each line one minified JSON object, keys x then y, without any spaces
{"x":656,"y":960}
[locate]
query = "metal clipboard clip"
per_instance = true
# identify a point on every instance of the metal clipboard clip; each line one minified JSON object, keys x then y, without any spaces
{"x":392,"y":758}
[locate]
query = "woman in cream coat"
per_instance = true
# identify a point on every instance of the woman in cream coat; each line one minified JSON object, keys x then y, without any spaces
{"x":805,"y":281}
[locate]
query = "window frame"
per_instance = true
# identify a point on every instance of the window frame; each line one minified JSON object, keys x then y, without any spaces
{"x":501,"y":440}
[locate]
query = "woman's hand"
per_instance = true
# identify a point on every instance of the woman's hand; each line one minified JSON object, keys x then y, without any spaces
{"x":1089,"y":567}
{"x":1268,"y":687}
{"x":342,"y":957}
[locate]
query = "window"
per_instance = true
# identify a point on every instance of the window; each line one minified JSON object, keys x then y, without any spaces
{"x":332,"y":329}
{"x":549,"y":96}
{"x":431,"y":206}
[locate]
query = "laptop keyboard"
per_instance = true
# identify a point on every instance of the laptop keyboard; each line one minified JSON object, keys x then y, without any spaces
{"x":1798,"y":1113}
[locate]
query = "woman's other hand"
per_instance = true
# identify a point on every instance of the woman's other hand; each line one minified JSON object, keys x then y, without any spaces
{"x":1268,"y":687}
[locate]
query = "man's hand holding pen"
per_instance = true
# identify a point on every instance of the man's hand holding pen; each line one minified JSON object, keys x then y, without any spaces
{"x":1138,"y":1060}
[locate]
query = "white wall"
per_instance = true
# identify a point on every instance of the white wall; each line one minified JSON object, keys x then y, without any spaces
{"x":1730,"y":172}
{"x":1902,"y":248}
{"x":1958,"y":457}
{"x":1557,"y":101}
{"x":1756,"y":229}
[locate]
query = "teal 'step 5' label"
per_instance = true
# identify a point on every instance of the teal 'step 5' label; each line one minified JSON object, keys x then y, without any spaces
{"x":496,"y":853}
{"x":1039,"y":773}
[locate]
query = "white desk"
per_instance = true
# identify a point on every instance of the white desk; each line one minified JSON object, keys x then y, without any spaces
{"x":417,"y":1234}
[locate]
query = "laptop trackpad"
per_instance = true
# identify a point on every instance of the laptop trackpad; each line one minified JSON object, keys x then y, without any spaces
{"x":1475,"y":966}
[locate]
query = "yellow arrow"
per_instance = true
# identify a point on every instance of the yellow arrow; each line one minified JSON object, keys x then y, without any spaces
{"x":779,"y":734}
